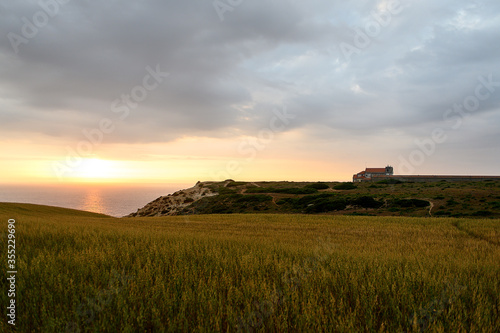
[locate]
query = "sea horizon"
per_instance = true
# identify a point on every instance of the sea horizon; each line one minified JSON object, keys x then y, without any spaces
{"x":116,"y":200}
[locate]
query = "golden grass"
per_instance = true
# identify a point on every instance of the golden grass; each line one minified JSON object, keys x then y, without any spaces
{"x":278,"y":273}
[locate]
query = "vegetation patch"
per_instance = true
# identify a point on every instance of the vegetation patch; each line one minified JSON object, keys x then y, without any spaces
{"x":390,"y":181}
{"x":411,"y":203}
{"x":367,"y":202}
{"x":225,"y":190}
{"x":325,"y":205}
{"x":290,"y":190}
{"x":254,"y":198}
{"x":318,"y":186}
{"x":234,"y":184}
{"x":345,"y":186}
{"x":482,"y":213}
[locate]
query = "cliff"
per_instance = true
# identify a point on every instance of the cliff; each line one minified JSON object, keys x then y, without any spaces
{"x":174,"y":204}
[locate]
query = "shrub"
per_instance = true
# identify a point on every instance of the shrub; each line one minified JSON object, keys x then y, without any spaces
{"x":442,"y":213}
{"x":254,"y":198}
{"x":308,"y":199}
{"x":345,"y":186}
{"x":420,"y":203}
{"x":296,"y":190}
{"x":495,"y":204}
{"x":410,"y":203}
{"x":291,"y":201}
{"x":390,"y":181}
{"x":367,"y":202}
{"x":360,"y":214}
{"x":255,"y":189}
{"x":225,"y":190}
{"x":482,"y":213}
{"x":318,"y":186}
{"x":325,"y":205}
{"x":233,"y":184}
{"x":291,"y":190}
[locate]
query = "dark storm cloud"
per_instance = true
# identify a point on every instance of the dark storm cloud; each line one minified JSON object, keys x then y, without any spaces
{"x":226,"y":77}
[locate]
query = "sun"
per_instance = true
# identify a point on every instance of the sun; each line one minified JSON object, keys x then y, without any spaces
{"x":95,"y":168}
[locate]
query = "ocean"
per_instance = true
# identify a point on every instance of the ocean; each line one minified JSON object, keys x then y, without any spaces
{"x":114,"y":200}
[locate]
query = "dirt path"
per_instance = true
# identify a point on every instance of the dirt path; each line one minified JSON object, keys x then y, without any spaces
{"x":472,"y":234}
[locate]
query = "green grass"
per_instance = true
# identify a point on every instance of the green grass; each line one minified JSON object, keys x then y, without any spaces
{"x":273,"y":273}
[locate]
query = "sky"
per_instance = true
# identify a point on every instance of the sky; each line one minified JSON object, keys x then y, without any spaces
{"x":179,"y":91}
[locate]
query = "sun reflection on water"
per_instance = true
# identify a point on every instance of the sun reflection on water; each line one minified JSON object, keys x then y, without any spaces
{"x":93,"y":201}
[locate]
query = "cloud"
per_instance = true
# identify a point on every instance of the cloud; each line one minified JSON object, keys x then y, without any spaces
{"x":227,"y":76}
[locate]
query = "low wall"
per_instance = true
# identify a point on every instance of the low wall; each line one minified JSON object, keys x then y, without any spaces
{"x":433,"y":178}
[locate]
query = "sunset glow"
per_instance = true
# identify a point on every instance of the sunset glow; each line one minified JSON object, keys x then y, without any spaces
{"x":338,"y":87}
{"x":94,"y":168}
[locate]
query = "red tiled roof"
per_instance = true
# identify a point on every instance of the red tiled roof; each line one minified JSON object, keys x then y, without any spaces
{"x":375,"y":170}
{"x":359,"y":175}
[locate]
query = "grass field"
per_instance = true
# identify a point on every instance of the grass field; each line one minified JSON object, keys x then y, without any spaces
{"x":83,"y":272}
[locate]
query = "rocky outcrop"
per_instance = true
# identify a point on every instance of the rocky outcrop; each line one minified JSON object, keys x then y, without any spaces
{"x":173,"y":204}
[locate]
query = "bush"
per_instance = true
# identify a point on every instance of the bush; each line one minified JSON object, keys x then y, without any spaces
{"x":254,"y":198}
{"x":296,"y":190}
{"x":255,"y":189}
{"x":367,"y":202}
{"x":410,"y":203}
{"x":291,"y":201}
{"x":345,"y":186}
{"x":390,"y":181}
{"x":482,"y":213}
{"x":225,"y":190}
{"x":495,"y":204}
{"x":325,"y":205}
{"x":233,"y":184}
{"x":291,"y":190}
{"x":420,"y":203}
{"x":308,"y":199}
{"x":360,"y":214}
{"x":442,"y":213}
{"x":318,"y":186}
{"x":318,"y":203}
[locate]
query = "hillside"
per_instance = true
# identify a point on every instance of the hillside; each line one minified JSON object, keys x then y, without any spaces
{"x":446,"y":199}
{"x":13,"y":210}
